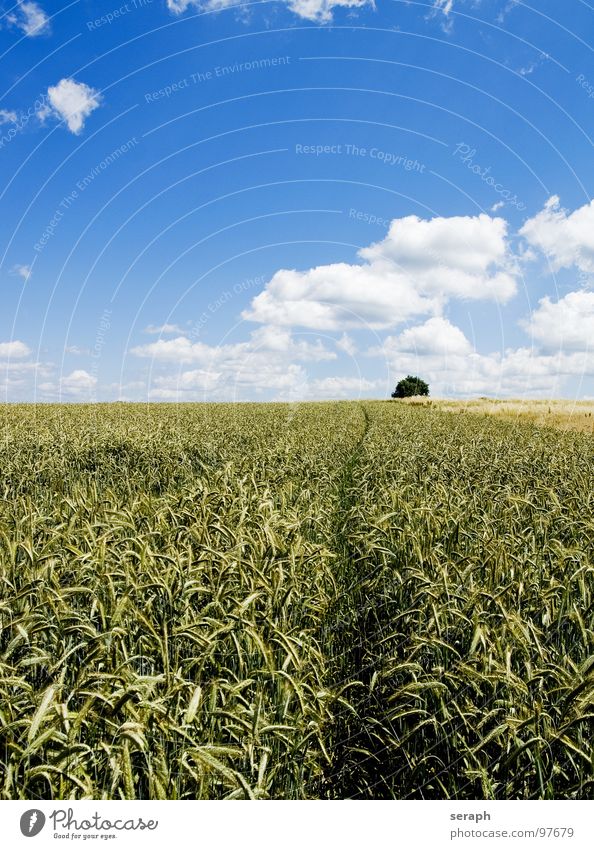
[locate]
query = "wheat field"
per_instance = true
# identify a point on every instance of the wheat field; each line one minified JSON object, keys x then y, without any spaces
{"x":564,"y":415}
{"x":326,"y":600}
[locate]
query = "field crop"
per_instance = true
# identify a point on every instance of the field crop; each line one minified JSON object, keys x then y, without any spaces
{"x":366,"y":600}
{"x":565,"y":415}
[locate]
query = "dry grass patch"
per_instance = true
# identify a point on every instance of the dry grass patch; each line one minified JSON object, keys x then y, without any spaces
{"x":561,"y":414}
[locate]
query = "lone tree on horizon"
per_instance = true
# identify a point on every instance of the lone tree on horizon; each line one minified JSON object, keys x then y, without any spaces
{"x":409,"y":386}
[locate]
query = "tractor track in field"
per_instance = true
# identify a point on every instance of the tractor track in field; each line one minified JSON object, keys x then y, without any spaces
{"x":353,"y":630}
{"x":342,"y":544}
{"x":344,"y":631}
{"x":345,"y":503}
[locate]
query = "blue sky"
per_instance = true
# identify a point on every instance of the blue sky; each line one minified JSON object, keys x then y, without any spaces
{"x":295,"y":200}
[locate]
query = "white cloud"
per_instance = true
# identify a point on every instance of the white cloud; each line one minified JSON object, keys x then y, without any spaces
{"x":78,"y":381}
{"x":270,"y":360}
{"x":566,"y":324}
{"x":178,"y":350}
{"x":192,"y":381}
{"x":445,"y":6}
{"x":30,"y":18}
{"x":344,"y":387}
{"x":530,"y":68}
{"x":285,"y":382}
{"x":76,"y":350}
{"x":71,"y":102}
{"x":311,"y":10}
{"x":444,"y":9}
{"x":459,"y":257}
{"x":321,"y":10}
{"x":332,"y":297}
{"x":516,"y":372}
{"x":263,"y":344}
{"x":272,"y":363}
{"x":8,"y":117}
{"x":566,"y":238}
{"x":435,"y":336}
{"x":288,"y":381}
{"x":22,"y":271}
{"x":497,"y":206}
{"x":77,"y":384}
{"x":506,"y":10}
{"x":452,"y":367}
{"x":18,"y":373}
{"x":527,"y":370}
{"x":23,"y":367}
{"x":347,"y":344}
{"x":280,"y":341}
{"x":413,"y":271}
{"x":14,"y":349}
{"x":163,"y":329}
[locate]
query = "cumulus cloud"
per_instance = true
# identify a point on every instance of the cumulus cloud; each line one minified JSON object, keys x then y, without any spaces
{"x":458,"y":257}
{"x":332,"y":297}
{"x":186,"y":384}
{"x":24,"y":366}
{"x":435,"y":336}
{"x":343,"y":387}
{"x":270,"y":360}
{"x":78,"y":381}
{"x":346,"y":344}
{"x":14,"y":349}
{"x":514,"y":372}
{"x":320,"y":11}
{"x":30,"y":18}
{"x":414,"y":270}
{"x":566,"y":324}
{"x":528,"y":370}
{"x":264,"y":341}
{"x":566,"y":238}
{"x":273,"y":362}
{"x":178,"y":350}
{"x":72,"y":102}
{"x":19,"y":373}
{"x":441,"y":353}
{"x":78,"y":384}
{"x":286,"y":381}
{"x":289,"y":382}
